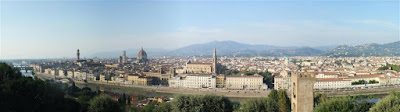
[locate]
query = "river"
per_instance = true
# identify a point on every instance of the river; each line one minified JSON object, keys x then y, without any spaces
{"x":149,"y":93}
{"x":27,"y":73}
{"x":126,"y":90}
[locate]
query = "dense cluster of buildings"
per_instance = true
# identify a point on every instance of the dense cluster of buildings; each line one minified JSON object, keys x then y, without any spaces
{"x":145,"y":72}
{"x":205,"y":72}
{"x":207,"y":75}
{"x":346,"y":73}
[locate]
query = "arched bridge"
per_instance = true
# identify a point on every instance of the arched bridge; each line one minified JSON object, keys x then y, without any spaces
{"x":21,"y":67}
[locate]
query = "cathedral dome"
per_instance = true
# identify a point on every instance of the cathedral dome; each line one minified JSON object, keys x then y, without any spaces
{"x":142,"y":54}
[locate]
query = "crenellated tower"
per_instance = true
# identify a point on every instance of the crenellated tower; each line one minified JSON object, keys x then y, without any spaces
{"x":303,"y":92}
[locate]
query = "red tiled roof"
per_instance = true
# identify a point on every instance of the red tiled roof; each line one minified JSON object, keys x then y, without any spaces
{"x":201,"y":63}
{"x":244,"y":76}
{"x":329,"y":79}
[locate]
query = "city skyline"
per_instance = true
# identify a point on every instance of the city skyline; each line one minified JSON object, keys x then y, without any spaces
{"x":54,"y":29}
{"x":199,"y":55}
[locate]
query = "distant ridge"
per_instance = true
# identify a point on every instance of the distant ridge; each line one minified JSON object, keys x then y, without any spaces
{"x":232,"y":48}
{"x":373,"y":49}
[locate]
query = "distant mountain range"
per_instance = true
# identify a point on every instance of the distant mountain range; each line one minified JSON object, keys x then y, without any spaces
{"x":389,"y":49}
{"x":232,"y":48}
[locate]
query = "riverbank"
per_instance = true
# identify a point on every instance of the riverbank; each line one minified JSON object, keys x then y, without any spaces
{"x":171,"y":90}
{"x":378,"y":92}
{"x":155,"y":91}
{"x":147,"y":92}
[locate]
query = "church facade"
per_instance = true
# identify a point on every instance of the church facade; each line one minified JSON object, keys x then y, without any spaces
{"x":202,"y":67}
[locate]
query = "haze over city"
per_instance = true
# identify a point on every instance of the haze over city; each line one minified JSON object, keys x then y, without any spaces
{"x":55,"y":29}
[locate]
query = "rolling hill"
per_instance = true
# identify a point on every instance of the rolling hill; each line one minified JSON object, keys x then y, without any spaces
{"x":389,"y":49}
{"x":232,"y":48}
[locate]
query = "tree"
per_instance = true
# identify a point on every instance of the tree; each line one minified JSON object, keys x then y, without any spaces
{"x":104,"y":103}
{"x":390,"y":103}
{"x":129,"y":100}
{"x":373,"y":82}
{"x":21,"y":94}
{"x":72,"y":90}
{"x":363,"y":106}
{"x":236,"y":105}
{"x":149,"y":107}
{"x":163,"y":107}
{"x":260,"y":105}
{"x":392,"y":67}
{"x":284,"y":101}
{"x":383,"y":68}
{"x":84,"y":96}
{"x":201,"y":103}
{"x":273,"y":94}
{"x":230,"y":72}
{"x":245,"y":72}
{"x":319,"y":98}
{"x":359,"y":82}
{"x":268,"y":79}
{"x":342,"y":104}
{"x":122,"y":99}
{"x":7,"y":72}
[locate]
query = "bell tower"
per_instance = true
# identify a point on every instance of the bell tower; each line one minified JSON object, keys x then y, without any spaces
{"x":214,"y":64}
{"x":77,"y":54}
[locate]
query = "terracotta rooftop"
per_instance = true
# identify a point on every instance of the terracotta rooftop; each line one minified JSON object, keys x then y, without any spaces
{"x":327,"y":73}
{"x":244,"y":76}
{"x":199,"y":74}
{"x":201,"y":63}
{"x":329,"y":79}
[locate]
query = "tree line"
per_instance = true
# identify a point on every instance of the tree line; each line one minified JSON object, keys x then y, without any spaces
{"x":390,"y":67}
{"x":357,"y":103}
{"x":25,"y":94}
{"x":359,"y":82}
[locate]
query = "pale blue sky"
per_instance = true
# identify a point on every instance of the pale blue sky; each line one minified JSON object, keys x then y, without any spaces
{"x":55,"y":29}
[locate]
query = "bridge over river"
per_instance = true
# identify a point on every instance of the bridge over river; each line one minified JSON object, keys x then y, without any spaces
{"x":23,"y":67}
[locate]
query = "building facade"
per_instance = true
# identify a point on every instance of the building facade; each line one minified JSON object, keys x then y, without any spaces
{"x":281,"y":82}
{"x":245,"y":82}
{"x":194,"y":81}
{"x":207,"y":68}
{"x":140,"y":80}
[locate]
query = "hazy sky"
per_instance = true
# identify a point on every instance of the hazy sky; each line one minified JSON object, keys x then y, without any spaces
{"x":56,"y":28}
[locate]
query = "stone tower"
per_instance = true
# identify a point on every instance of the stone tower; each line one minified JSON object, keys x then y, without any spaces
{"x":77,"y":55}
{"x":303,"y":92}
{"x":124,"y":58}
{"x":214,"y":64}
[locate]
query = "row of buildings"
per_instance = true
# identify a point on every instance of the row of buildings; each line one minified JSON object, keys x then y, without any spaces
{"x":205,"y":75}
{"x":330,"y":73}
{"x":192,"y":75}
{"x":218,"y":81}
{"x":336,"y":80}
